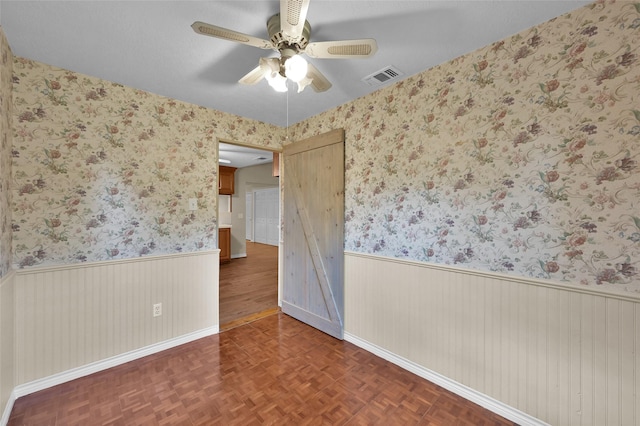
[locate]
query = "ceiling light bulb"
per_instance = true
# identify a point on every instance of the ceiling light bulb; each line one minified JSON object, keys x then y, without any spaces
{"x":278,"y":82}
{"x":304,"y":83}
{"x":295,"y":68}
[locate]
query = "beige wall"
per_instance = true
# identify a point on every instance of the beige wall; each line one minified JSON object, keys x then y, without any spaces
{"x":564,"y":357}
{"x":71,"y":316}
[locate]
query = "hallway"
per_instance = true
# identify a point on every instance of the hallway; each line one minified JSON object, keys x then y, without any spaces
{"x":249,"y":285}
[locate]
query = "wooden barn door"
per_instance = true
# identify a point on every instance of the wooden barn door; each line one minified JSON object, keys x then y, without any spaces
{"x":313,"y":232}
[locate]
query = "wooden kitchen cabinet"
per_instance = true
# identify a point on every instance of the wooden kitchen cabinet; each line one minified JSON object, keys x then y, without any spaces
{"x":275,"y":172}
{"x":224,"y":244}
{"x":226,"y":180}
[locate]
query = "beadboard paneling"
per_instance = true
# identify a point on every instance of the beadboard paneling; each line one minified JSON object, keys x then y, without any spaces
{"x":562,"y":356}
{"x":70,"y":316}
{"x":6,"y":341}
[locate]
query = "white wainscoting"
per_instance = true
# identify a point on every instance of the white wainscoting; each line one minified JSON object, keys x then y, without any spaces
{"x":560,"y":355}
{"x":7,"y":285}
{"x":73,"y":316}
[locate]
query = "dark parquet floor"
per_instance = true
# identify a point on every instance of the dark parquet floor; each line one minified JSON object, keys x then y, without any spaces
{"x":275,"y":370}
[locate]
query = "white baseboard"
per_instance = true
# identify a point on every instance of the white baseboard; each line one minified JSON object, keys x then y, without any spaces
{"x":85,"y":370}
{"x":466,"y":392}
{"x":7,"y":409}
{"x":238,"y":256}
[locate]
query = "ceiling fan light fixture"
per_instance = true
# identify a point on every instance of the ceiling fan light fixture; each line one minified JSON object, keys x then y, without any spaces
{"x":277,"y":82}
{"x":296,"y":68}
{"x":304,"y":83}
{"x":290,"y":34}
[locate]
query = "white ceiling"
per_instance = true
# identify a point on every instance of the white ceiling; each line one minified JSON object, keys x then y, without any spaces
{"x":242,"y":156}
{"x":150,"y":45}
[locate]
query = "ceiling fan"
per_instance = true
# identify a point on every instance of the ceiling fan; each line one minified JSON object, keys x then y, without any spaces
{"x":289,"y":33}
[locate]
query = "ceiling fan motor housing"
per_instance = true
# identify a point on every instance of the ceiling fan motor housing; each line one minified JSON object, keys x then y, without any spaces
{"x":281,"y":41}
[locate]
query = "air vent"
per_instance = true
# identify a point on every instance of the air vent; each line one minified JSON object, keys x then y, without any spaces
{"x":383,"y":76}
{"x":262,"y":159}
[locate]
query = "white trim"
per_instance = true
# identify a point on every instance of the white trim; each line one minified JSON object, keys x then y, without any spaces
{"x":52,"y":268}
{"x":574,"y":288}
{"x":7,"y":409}
{"x":466,"y":392}
{"x":238,"y":256}
{"x":94,"y":367}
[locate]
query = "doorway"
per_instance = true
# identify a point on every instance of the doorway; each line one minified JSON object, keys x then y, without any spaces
{"x":249,"y":281}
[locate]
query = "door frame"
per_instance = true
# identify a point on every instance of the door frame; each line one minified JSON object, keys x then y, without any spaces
{"x":266,"y":149}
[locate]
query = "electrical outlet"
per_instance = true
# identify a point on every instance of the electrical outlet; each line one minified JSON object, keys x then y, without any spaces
{"x":157,"y":309}
{"x":193,"y":204}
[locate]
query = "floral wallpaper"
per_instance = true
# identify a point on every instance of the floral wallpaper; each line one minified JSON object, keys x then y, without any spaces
{"x":102,"y":171}
{"x":6,"y":63}
{"x":519,"y":158}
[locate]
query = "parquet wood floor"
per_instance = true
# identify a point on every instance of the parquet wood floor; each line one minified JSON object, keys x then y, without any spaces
{"x":249,"y":285}
{"x":275,"y":371}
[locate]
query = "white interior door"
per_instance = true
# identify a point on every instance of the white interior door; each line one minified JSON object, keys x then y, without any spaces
{"x":273,"y":216}
{"x":266,"y":216}
{"x":259,"y":218}
{"x":249,"y":215}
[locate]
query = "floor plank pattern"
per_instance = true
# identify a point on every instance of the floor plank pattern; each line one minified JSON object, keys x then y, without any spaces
{"x":249,"y":285}
{"x":274,"y":371}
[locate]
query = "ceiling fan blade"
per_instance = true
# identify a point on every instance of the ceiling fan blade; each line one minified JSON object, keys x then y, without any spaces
{"x":253,"y":77}
{"x":293,"y":14}
{"x":344,"y":49}
{"x":318,"y":81}
{"x":226,"y":34}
